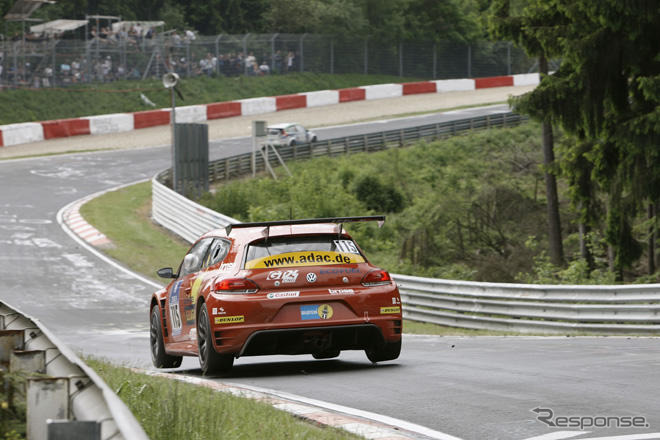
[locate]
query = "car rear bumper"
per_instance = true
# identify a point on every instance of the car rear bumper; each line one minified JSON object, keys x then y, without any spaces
{"x":306,"y":339}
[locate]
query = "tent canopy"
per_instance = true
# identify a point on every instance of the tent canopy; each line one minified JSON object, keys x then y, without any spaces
{"x":126,"y":25}
{"x":57,"y":26}
{"x":22,"y":9}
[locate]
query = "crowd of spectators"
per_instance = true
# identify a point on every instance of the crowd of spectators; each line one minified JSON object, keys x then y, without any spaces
{"x":108,"y":56}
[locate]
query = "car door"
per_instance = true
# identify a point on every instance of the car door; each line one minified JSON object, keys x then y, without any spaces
{"x":181,"y":304}
{"x":301,"y":134}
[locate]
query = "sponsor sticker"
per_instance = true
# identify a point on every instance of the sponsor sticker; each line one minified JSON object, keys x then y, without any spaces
{"x":219,"y":311}
{"x":315,"y":258}
{"x":196,"y":287}
{"x":341,"y":291}
{"x":396,"y":300}
{"x":274,"y":275}
{"x":175,"y":313}
{"x":229,"y":319}
{"x":275,"y":295}
{"x":338,"y":271}
{"x":389,"y":310}
{"x":323,"y":311}
{"x":189,"y":313}
{"x":311,"y":277}
{"x":288,"y":276}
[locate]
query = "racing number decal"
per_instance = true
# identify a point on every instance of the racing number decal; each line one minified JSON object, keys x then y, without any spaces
{"x":346,"y":246}
{"x":175,"y":313}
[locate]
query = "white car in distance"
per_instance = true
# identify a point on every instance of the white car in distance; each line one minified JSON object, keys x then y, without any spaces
{"x":289,"y":134}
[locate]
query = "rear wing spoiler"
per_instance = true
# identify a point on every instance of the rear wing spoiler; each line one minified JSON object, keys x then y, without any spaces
{"x":309,"y":221}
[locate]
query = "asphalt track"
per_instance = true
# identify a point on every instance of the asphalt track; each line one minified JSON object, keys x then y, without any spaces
{"x":472,"y":388}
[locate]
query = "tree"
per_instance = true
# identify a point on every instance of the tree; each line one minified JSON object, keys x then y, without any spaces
{"x":606,"y":94}
{"x":529,"y":27}
{"x":439,"y":20}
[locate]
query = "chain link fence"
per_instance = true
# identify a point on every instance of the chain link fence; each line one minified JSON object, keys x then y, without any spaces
{"x":61,"y":62}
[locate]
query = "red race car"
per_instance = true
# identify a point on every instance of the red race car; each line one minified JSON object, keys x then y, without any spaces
{"x":283,"y":287}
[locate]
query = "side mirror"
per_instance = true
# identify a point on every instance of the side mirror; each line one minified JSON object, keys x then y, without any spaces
{"x":166,"y":272}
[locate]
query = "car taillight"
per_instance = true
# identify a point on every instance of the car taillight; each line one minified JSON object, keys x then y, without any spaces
{"x":376,"y":278}
{"x":235,"y":285}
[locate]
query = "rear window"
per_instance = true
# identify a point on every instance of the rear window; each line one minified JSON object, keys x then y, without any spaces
{"x":318,"y":250}
{"x":274,"y":131}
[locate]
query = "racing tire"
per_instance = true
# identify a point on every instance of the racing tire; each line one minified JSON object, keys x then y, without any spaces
{"x":313,"y":139}
{"x":292,"y":143}
{"x":159,"y":357}
{"x":327,"y":354}
{"x":384,"y":351}
{"x":210,"y":361}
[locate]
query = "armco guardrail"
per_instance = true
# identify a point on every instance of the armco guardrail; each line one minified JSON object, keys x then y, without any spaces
{"x":236,"y":166}
{"x":532,"y":308}
{"x":507,"y":307}
{"x":64,"y":387}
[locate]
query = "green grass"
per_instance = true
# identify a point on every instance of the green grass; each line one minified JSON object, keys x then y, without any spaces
{"x":124,"y":96}
{"x":124,"y":217}
{"x":172,"y":410}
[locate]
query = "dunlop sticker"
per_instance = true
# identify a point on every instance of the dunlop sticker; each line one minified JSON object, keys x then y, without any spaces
{"x":229,"y":319}
{"x":389,"y":310}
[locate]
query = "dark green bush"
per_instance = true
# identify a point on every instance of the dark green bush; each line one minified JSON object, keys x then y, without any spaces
{"x":377,"y":196}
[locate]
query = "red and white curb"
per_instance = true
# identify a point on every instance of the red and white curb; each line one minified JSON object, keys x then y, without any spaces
{"x":363,"y":423}
{"x":16,"y":134}
{"x":79,"y":226}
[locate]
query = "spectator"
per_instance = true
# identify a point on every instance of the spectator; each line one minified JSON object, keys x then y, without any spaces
{"x":264,"y":68}
{"x":290,"y":58}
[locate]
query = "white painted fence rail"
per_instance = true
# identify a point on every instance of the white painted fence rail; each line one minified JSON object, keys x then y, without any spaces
{"x":631,"y":309}
{"x":27,"y":346}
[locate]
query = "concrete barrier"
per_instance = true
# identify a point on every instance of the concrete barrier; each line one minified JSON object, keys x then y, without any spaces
{"x":383,"y":91}
{"x":419,"y":87}
{"x":258,"y":106}
{"x":526,"y":79}
{"x":151,"y":118}
{"x":65,"y":128}
{"x":15,"y":134}
{"x":191,"y":114}
{"x":113,"y":123}
{"x":454,"y":85}
{"x":322,"y":97}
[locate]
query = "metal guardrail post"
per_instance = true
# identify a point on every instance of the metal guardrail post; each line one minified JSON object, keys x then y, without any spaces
{"x":70,"y":391}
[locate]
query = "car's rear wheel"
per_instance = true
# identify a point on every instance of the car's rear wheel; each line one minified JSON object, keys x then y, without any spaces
{"x":384,"y":351}
{"x":159,"y":358}
{"x":292,"y":143}
{"x":210,"y":360}
{"x":327,"y":354}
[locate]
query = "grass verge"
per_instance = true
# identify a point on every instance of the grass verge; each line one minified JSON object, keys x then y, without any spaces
{"x":124,"y":217}
{"x":172,"y":410}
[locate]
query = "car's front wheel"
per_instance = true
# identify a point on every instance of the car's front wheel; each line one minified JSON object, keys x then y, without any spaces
{"x":159,"y":358}
{"x":384,"y":351}
{"x":210,"y":360}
